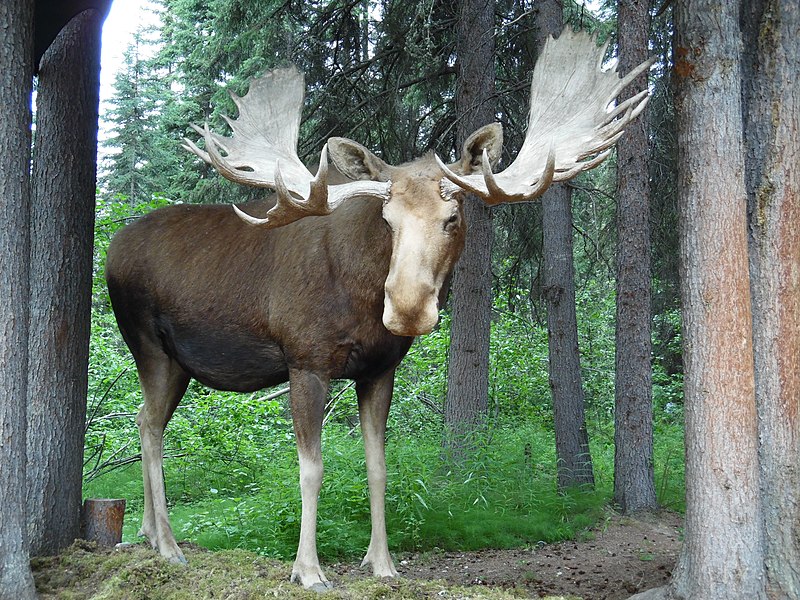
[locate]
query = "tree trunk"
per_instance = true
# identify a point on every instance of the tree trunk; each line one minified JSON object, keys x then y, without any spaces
{"x":772,"y":143}
{"x":722,"y":553}
{"x":742,"y":407}
{"x":574,"y":462}
{"x":62,"y":218}
{"x":468,"y":367}
{"x":634,"y":486}
{"x":16,"y":59}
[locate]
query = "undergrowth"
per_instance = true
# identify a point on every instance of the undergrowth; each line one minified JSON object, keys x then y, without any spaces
{"x":503,"y":497}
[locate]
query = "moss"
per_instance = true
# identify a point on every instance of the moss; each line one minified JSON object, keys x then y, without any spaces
{"x":85,"y":572}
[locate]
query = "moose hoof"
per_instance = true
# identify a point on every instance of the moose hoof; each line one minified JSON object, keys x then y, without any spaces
{"x":381,"y":567}
{"x":314,"y":581}
{"x":178,"y":560}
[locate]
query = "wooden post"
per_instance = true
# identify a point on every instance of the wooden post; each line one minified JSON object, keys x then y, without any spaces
{"x":101,"y":520}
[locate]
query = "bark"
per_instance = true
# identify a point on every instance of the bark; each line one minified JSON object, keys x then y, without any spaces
{"x":62,"y":217}
{"x":634,"y":486}
{"x":574,"y":461}
{"x":722,"y":553}
{"x":468,"y":367}
{"x":772,"y":144}
{"x":16,"y":58}
{"x":569,"y":420}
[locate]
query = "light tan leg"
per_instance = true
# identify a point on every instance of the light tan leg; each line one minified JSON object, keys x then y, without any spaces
{"x":308,"y":393}
{"x":163,"y":384}
{"x":374,"y":399}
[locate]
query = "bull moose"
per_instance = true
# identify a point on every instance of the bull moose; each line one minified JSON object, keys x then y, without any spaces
{"x":327,"y":281}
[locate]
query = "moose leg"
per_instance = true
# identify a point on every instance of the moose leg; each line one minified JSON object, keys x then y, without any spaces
{"x":163,"y":384}
{"x":374,"y":398}
{"x":308,"y":393}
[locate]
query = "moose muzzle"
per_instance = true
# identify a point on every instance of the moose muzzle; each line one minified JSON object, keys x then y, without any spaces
{"x":410,"y":310}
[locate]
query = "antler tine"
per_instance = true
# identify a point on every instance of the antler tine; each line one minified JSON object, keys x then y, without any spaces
{"x":469,"y":183}
{"x":287,"y":209}
{"x":614,"y":129}
{"x":633,"y":74}
{"x":499,"y":196}
{"x":322,"y":200}
{"x":496,"y":193}
{"x":570,"y":98}
{"x":580,"y":167}
{"x":318,"y":195}
{"x":640,"y":98}
{"x":194,"y":148}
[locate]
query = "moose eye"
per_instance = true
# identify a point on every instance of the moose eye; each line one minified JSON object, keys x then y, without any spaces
{"x":451,"y":223}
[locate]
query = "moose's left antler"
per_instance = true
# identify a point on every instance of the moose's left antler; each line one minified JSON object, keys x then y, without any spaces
{"x":572,"y":125}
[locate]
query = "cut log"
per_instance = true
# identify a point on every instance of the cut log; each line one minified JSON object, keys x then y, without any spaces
{"x":101,"y":520}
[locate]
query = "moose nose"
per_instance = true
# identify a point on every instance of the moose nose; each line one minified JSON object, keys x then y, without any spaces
{"x":410,"y":314}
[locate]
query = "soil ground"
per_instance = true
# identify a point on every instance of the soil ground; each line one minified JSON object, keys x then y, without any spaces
{"x":621,"y":557}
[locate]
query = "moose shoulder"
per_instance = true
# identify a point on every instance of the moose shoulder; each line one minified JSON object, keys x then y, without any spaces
{"x":328,"y":280}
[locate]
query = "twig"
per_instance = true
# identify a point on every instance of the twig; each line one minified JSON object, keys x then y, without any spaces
{"x":334,"y":401}
{"x":103,"y":399}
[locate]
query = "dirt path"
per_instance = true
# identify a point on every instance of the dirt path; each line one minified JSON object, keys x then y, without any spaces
{"x":621,"y":557}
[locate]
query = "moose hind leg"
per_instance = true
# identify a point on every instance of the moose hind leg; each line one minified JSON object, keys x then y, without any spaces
{"x":163,"y":384}
{"x":308,"y":394}
{"x":374,"y":399}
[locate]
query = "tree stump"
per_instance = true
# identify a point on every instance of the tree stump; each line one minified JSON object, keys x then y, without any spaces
{"x":101,"y":520}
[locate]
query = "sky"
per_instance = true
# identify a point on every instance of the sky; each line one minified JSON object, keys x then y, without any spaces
{"x":120,"y":25}
{"x":118,"y":31}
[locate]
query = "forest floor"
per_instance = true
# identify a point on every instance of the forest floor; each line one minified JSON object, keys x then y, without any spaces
{"x":620,"y":557}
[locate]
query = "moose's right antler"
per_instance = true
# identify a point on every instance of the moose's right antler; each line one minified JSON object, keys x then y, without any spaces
{"x":262,"y":152}
{"x":570,"y":128}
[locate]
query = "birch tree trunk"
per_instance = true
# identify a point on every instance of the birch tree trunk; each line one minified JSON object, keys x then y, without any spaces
{"x":634,"y":485}
{"x":16,"y":79}
{"x":772,"y":138}
{"x":62,"y":218}
{"x":468,"y":367}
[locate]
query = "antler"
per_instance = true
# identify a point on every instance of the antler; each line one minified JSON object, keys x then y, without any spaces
{"x":262,"y":152}
{"x":570,"y":127}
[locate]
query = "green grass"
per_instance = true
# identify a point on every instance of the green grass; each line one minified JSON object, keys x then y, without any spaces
{"x":502,"y":497}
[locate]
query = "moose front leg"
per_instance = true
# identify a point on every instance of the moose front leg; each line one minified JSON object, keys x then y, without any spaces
{"x":308,"y":392}
{"x":163,"y":384}
{"x":374,"y":399}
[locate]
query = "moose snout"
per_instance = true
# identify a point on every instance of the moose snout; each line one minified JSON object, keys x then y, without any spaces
{"x":410,"y":314}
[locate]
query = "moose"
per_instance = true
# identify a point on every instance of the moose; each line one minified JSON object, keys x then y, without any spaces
{"x":328,"y":280}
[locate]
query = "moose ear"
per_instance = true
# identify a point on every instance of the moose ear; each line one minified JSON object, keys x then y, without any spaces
{"x":356,"y":162}
{"x":488,"y":137}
